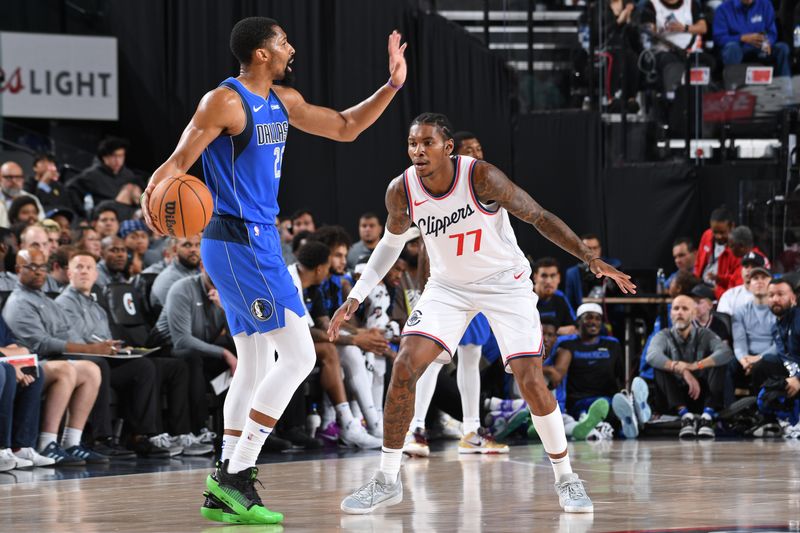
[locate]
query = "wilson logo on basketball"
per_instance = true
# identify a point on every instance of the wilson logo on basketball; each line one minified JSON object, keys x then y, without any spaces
{"x":169,"y":218}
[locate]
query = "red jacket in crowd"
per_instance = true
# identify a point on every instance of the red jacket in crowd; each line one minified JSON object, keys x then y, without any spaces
{"x":704,"y":251}
{"x":729,"y":270}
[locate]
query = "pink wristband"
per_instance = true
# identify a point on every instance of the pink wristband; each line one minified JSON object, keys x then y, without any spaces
{"x":393,"y":86}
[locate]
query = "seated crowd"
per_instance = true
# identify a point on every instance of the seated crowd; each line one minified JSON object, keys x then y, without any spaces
{"x":128,"y":327}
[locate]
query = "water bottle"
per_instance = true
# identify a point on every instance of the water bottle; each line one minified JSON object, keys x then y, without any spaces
{"x":313,"y":421}
{"x":583,"y":36}
{"x":796,"y":35}
{"x":764,"y":47}
{"x":661,"y":282}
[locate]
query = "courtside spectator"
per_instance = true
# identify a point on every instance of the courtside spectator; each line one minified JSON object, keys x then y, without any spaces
{"x":87,"y":239}
{"x":12,"y":181}
{"x":45,"y":184}
{"x":753,"y":321}
{"x":105,"y":220}
{"x":735,"y":297}
{"x":713,"y":244}
{"x":126,"y":202}
{"x":467,"y":143}
{"x":729,"y":271}
{"x":303,"y":220}
{"x":705,"y":316}
{"x":59,"y":264}
{"x":64,"y":218}
{"x":193,"y":323}
{"x":370,"y":230}
{"x":8,"y":280}
{"x":684,"y":254}
{"x":24,"y":211}
{"x":185,"y":264}
{"x":135,"y":380}
{"x":113,"y":266}
{"x":581,"y":282}
{"x":137,"y":241}
{"x":690,"y":370}
{"x":104,"y":179}
{"x":552,"y":304}
{"x":745,"y":31}
{"x":36,"y":238}
{"x":42,"y":327}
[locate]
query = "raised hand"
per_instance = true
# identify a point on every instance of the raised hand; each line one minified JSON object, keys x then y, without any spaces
{"x":600,"y":268}
{"x":397,"y":61}
{"x":341,"y":315}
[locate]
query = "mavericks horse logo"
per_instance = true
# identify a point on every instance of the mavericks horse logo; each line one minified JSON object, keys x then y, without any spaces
{"x":261,"y":309}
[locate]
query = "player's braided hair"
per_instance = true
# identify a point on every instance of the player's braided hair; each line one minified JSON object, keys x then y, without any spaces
{"x":250,"y":34}
{"x":438,"y":120}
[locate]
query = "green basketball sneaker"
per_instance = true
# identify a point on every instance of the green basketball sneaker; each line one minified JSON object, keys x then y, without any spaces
{"x":597,"y":412}
{"x":238,"y":493}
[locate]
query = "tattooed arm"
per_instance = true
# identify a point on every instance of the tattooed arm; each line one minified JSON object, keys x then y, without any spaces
{"x":384,"y":256}
{"x":491,"y":185}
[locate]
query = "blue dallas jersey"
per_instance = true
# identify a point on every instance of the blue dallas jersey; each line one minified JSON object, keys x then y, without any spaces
{"x":243,"y":171}
{"x":241,"y":246}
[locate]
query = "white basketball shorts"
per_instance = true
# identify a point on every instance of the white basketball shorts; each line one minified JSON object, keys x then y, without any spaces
{"x":444,"y":311}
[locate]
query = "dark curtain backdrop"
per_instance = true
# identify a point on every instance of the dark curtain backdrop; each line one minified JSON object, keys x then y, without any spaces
{"x":556,"y":160}
{"x":171,"y":52}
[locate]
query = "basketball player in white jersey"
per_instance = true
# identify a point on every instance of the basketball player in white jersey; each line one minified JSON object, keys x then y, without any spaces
{"x":461,"y":207}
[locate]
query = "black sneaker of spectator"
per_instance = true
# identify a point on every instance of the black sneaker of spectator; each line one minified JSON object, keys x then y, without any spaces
{"x":145,"y":448}
{"x":688,"y":430}
{"x":113,"y":450}
{"x":87,"y":454}
{"x":705,"y":428}
{"x":300,"y":439}
{"x":276,"y":444}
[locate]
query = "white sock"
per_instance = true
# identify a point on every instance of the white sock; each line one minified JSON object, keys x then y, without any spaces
{"x":550,"y":429}
{"x":45,"y":439}
{"x":328,"y":412}
{"x":356,"y":410}
{"x":246,"y":451}
{"x":471,"y":425}
{"x":390,"y":462}
{"x":344,"y":414}
{"x":228,"y":445}
{"x":71,"y":437}
{"x":561,"y":466}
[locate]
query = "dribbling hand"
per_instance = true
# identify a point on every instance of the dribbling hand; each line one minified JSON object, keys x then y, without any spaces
{"x":341,"y":315}
{"x":600,"y":268}
{"x":397,"y":61}
{"x":144,"y":203}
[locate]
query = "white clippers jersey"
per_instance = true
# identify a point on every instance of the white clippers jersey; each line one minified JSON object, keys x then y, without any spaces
{"x":466,"y":240}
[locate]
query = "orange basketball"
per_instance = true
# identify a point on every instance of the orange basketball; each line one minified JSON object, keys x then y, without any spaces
{"x":181,"y":206}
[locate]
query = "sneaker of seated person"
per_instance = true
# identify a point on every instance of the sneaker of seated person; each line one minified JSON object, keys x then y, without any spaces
{"x":416,"y":444}
{"x":147,"y":447}
{"x":705,"y":427}
{"x":7,"y":462}
{"x":31,"y":455}
{"x":163,"y":441}
{"x":355,"y":436}
{"x":276,"y":444}
{"x":330,"y":433}
{"x":60,"y":455}
{"x":482,"y":442}
{"x":688,"y":429}
{"x":19,"y":462}
{"x":300,"y":439}
{"x":207,"y":437}
{"x":192,"y":444}
{"x":87,"y":454}
{"x":113,"y":450}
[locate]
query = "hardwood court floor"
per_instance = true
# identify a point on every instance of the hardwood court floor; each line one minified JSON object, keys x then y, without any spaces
{"x":649,"y":485}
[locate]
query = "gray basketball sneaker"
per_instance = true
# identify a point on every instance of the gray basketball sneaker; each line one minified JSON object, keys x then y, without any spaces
{"x":378,"y":492}
{"x":572,"y":496}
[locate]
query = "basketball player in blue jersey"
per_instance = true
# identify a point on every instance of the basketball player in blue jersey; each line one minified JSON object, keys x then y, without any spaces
{"x":240,"y":129}
{"x":462,"y":206}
